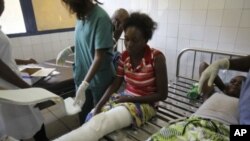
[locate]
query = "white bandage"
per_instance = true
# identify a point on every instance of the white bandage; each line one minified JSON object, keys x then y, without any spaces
{"x":100,"y":125}
{"x":63,"y":55}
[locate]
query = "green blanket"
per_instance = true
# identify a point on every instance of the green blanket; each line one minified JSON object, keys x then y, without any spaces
{"x":193,"y":129}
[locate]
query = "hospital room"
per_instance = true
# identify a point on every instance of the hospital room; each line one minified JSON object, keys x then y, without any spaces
{"x":124,"y":70}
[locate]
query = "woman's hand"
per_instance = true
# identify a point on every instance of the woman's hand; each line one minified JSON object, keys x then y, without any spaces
{"x":121,"y":99}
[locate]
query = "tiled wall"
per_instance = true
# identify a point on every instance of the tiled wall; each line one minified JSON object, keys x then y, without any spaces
{"x":214,"y":24}
{"x":41,"y":47}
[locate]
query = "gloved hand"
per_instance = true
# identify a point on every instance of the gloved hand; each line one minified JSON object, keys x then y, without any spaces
{"x":80,"y":94}
{"x":62,"y":56}
{"x":211,"y":72}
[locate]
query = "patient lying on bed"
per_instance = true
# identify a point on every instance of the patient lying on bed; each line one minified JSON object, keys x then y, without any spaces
{"x":232,"y":88}
{"x":211,"y":121}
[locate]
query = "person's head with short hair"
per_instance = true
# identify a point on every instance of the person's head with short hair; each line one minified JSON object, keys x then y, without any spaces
{"x":139,"y":28}
{"x":80,"y":7}
{"x":233,"y":88}
{"x":118,"y":19}
{"x":1,"y":7}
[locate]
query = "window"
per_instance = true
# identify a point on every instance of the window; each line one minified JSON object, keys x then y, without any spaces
{"x":31,"y":17}
{"x":12,"y":22}
{"x":52,"y":14}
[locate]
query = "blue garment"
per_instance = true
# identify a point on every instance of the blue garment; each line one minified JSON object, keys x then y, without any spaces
{"x":94,"y":32}
{"x":245,"y":102}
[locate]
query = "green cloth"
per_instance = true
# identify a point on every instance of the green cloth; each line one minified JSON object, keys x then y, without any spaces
{"x":193,"y":93}
{"x":193,"y":129}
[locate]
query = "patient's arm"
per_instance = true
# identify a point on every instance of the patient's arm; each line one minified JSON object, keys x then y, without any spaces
{"x":240,"y":64}
{"x":7,"y":74}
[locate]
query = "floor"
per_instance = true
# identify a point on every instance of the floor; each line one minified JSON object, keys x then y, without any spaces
{"x":56,"y":121}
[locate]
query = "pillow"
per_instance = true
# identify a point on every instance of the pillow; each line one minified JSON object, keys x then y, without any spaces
{"x":220,"y":107}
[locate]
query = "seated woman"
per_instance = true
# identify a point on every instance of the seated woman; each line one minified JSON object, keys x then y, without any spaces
{"x":144,"y":71}
{"x":211,"y":121}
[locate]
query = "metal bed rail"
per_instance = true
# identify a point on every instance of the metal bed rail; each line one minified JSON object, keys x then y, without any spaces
{"x":210,"y":55}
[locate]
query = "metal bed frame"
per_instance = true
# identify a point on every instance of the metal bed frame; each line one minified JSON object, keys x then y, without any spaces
{"x":177,"y":105}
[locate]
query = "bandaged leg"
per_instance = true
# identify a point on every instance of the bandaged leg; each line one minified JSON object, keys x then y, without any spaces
{"x":100,"y":125}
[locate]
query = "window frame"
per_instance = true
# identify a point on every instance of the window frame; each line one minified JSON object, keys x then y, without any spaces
{"x":30,"y":22}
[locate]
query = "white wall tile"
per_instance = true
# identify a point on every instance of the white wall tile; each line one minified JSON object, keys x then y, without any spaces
{"x":46,"y":38}
{"x":187,"y":4}
{"x":243,"y":37}
{"x":225,"y":47}
{"x":71,"y":34}
{"x":35,"y":39}
{"x":197,"y":33}
{"x":134,"y":5}
{"x":185,"y":16}
{"x":161,"y":15}
{"x":48,"y":52}
{"x":162,"y":4}
{"x":182,"y":43}
{"x":172,"y":30}
{"x":161,"y":29}
{"x":216,"y":4}
{"x":173,"y":16}
{"x":210,"y":45}
{"x":211,"y":34}
{"x":172,"y":43}
{"x":214,"y":17}
{"x":234,"y":4}
{"x":196,"y":44}
{"x":242,"y":48}
{"x":38,"y":52}
{"x":15,"y":42}
{"x":144,"y":4}
{"x":56,"y":48}
{"x":199,"y":17}
{"x":174,"y":4}
{"x":63,"y":36}
{"x":245,"y":19}
{"x":27,"y":52}
{"x":228,"y":35}
{"x":200,"y":4}
{"x":26,"y":41}
{"x":247,"y":4}
{"x":184,"y":31}
{"x":231,"y":18}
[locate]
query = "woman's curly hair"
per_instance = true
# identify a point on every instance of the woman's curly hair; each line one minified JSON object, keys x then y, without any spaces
{"x":143,"y":22}
{"x":78,"y":6}
{"x":1,"y":6}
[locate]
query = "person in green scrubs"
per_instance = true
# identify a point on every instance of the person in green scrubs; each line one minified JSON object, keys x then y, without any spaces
{"x":93,"y":68}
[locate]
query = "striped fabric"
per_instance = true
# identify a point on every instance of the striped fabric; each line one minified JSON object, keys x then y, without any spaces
{"x":140,"y":81}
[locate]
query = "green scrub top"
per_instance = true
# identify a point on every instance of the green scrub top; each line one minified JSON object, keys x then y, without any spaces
{"x":94,"y":32}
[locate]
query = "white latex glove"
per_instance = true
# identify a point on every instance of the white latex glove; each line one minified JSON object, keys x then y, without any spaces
{"x":211,"y":72}
{"x":80,"y":94}
{"x":62,"y":56}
